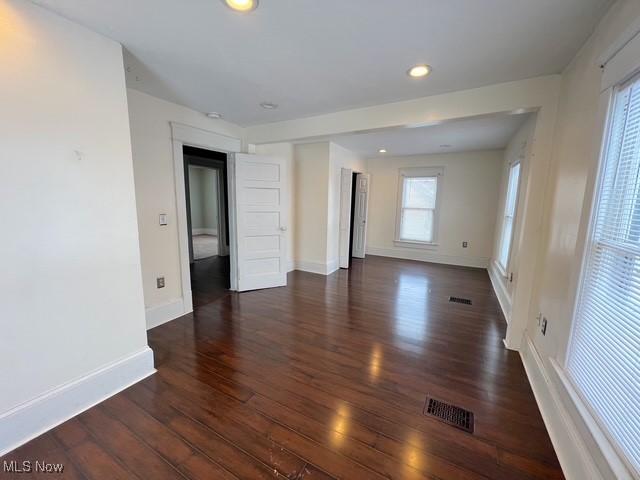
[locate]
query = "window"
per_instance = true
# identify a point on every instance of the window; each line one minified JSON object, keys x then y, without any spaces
{"x":418,"y":205}
{"x":510,"y":205}
{"x":603,"y":361}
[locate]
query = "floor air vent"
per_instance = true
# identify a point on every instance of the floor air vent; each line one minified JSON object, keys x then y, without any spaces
{"x":449,"y":414}
{"x":464,"y":301}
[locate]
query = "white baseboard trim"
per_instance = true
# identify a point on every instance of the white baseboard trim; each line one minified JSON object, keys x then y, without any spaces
{"x":576,"y":461}
{"x":501,"y":292}
{"x":164,"y":313}
{"x":316,"y":267}
{"x":429,"y":256}
{"x":204,"y":231}
{"x":31,"y":419}
{"x":291,"y":266}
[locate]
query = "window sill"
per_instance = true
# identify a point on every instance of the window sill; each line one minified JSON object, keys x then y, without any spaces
{"x":415,"y":244}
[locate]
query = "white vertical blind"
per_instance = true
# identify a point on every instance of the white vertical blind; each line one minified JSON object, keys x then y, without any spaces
{"x":604,"y":356}
{"x":511,"y":201}
{"x":418,"y":208}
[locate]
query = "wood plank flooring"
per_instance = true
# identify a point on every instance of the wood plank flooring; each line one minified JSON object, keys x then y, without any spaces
{"x":323,"y":379}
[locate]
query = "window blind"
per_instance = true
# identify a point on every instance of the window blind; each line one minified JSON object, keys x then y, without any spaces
{"x":418,"y":208}
{"x":604,"y":356}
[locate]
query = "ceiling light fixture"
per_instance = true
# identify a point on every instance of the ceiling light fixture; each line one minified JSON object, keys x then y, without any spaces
{"x":419,"y":71}
{"x":269,"y":105}
{"x":214,"y":115}
{"x":241,"y":5}
{"x":446,"y":145}
{"x":382,"y":150}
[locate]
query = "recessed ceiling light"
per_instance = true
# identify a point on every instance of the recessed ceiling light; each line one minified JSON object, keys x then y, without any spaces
{"x":269,"y":105}
{"x":382,"y":150}
{"x":241,"y":5}
{"x":214,"y":115}
{"x":419,"y":71}
{"x":446,"y":145}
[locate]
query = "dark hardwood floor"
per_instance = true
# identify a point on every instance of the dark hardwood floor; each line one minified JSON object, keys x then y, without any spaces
{"x":325,"y":378}
{"x":209,"y":280}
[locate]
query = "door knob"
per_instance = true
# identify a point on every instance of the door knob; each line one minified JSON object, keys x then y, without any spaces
{"x":284,"y":229}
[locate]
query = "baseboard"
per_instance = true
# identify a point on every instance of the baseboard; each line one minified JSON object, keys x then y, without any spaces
{"x":429,"y":256}
{"x":205,"y":231}
{"x":501,"y":292}
{"x":576,"y":461}
{"x":164,"y":313}
{"x":33,"y":418}
{"x":291,"y":266}
{"x":316,"y":267}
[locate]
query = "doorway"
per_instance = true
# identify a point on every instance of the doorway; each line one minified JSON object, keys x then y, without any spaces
{"x":205,"y":174}
{"x":354,"y":205}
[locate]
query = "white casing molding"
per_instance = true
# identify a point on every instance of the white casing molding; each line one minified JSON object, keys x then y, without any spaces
{"x":504,"y":299}
{"x":576,"y":461}
{"x":31,"y":419}
{"x":182,"y":135}
{"x":428,"y":256}
{"x":164,"y":313}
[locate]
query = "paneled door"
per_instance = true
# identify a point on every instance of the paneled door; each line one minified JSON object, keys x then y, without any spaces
{"x":360,"y":215}
{"x":261,"y":216}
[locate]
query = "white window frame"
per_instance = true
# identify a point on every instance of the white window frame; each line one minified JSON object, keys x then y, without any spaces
{"x":419,"y":172}
{"x":504,"y":269}
{"x":612,"y":452}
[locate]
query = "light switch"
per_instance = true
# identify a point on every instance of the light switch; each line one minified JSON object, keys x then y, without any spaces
{"x":163,"y":219}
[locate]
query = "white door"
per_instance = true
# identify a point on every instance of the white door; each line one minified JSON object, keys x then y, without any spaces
{"x":345,"y":215}
{"x":360,"y":215}
{"x":260,"y":221}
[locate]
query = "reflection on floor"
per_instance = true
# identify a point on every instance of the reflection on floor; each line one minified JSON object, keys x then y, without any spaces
{"x":204,"y":246}
{"x":325,"y":378}
{"x":209,"y":280}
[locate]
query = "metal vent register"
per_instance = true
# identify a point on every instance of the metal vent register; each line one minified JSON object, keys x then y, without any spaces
{"x":450,"y":414}
{"x":464,"y":301}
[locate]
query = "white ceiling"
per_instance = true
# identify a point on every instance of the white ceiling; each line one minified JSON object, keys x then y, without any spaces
{"x":483,"y":133}
{"x":320,"y":56}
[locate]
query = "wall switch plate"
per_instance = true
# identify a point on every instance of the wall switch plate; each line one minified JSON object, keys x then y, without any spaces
{"x":465,"y":244}
{"x":160,"y":282}
{"x":164,"y":219}
{"x":543,"y":326}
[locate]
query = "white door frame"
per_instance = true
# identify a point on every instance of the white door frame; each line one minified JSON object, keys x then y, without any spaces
{"x":182,"y":135}
{"x":346,"y":176}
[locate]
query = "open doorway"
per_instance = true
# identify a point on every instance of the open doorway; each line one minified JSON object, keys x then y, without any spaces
{"x":208,"y":223}
{"x":353,"y":216}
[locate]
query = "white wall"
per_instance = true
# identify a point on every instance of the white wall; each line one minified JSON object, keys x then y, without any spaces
{"x":155,"y":188}
{"x":566,"y":212}
{"x":70,"y":289}
{"x":317,"y":196}
{"x":196,"y":201}
{"x":501,"y":280}
{"x":203,"y":197}
{"x":209,"y":188}
{"x":468,"y":210}
{"x":311,"y":198}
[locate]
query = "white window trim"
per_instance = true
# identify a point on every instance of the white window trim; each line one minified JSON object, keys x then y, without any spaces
{"x":504,"y":270}
{"x":415,"y":173}
{"x":609,"y":448}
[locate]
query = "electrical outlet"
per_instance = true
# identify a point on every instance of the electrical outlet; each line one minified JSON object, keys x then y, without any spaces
{"x":465,"y":244}
{"x":543,"y":326}
{"x":160,"y":282}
